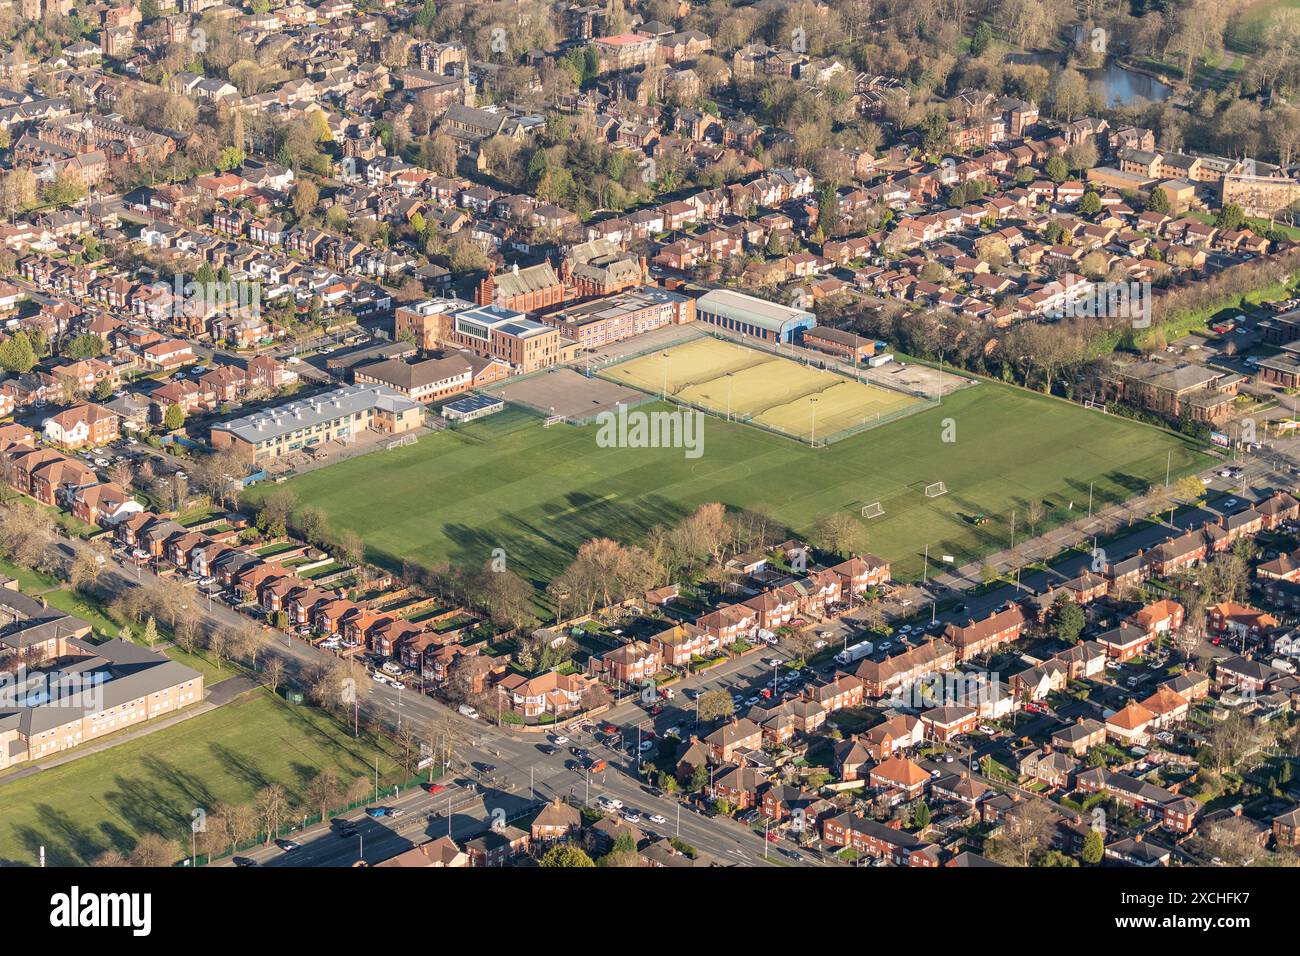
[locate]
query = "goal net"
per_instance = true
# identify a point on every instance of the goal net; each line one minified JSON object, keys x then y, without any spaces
{"x":873,"y":510}
{"x":401,"y":442}
{"x":935,"y":489}
{"x":552,"y":420}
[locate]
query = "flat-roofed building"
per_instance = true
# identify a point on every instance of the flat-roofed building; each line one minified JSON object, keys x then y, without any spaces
{"x":626,"y":51}
{"x":489,"y":331}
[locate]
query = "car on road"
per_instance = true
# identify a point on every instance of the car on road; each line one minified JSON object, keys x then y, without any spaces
{"x":572,"y":765}
{"x":434,"y":787}
{"x":548,"y":749}
{"x":772,"y":837}
{"x":609,"y":729}
{"x":347,"y":831}
{"x":631,"y":816}
{"x":376,"y":813}
{"x":794,"y":854}
{"x":243,"y":861}
{"x":559,"y":741}
{"x":657,"y":818}
{"x":287,"y":845}
{"x":775,"y":662}
{"x":610,"y":803}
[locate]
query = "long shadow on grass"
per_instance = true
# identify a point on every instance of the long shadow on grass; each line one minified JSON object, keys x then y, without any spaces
{"x":66,"y":843}
{"x":240,"y":766}
{"x":145,"y":808}
{"x":189,"y":786}
{"x":539,"y":548}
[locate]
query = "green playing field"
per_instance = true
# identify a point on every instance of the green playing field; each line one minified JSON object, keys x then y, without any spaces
{"x":507,"y":482}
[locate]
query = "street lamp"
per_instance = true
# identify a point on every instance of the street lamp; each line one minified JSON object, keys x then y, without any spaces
{"x":813,"y":438}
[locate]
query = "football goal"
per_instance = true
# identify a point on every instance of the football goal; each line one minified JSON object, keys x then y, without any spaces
{"x":401,"y":442}
{"x":873,"y":510}
{"x":935,"y":489}
{"x":552,"y":420}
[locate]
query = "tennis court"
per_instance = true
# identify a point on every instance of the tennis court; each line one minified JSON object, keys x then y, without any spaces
{"x":725,"y":378}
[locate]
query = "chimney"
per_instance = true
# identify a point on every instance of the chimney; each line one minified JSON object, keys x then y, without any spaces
{"x":486,"y":293}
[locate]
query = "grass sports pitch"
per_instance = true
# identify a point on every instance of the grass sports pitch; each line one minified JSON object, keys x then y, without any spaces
{"x":538,"y":493}
{"x":780,"y":393}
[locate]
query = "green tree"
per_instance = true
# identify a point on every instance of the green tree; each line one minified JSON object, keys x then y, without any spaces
{"x":84,"y":346}
{"x":1068,"y":620}
{"x":17,"y":354}
{"x":934,"y":131}
{"x":1090,"y":204}
{"x":173,"y":418}
{"x":1230,"y":217}
{"x":981,"y":39}
{"x":1158,"y":201}
{"x":1056,"y":169}
{"x":921,"y":816}
{"x":565,"y":855}
{"x":1094,"y":848}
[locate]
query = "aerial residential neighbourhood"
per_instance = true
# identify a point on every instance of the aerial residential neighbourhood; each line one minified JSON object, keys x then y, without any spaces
{"x":772,"y":435}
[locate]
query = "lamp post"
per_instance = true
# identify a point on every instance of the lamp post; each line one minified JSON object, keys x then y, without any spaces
{"x":812,"y":440}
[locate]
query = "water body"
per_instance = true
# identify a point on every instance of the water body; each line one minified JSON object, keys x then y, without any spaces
{"x":1120,"y":85}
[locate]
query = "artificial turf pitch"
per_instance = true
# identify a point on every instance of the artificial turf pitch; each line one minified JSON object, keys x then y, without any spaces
{"x":538,"y":493}
{"x":724,"y":377}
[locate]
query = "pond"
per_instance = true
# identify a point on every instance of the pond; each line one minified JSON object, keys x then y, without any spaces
{"x":1120,"y":85}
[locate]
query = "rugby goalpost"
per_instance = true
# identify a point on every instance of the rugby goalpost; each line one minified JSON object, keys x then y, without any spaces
{"x":873,"y":510}
{"x":935,"y":489}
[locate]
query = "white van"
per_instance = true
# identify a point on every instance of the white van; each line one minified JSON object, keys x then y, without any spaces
{"x":468,"y":711}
